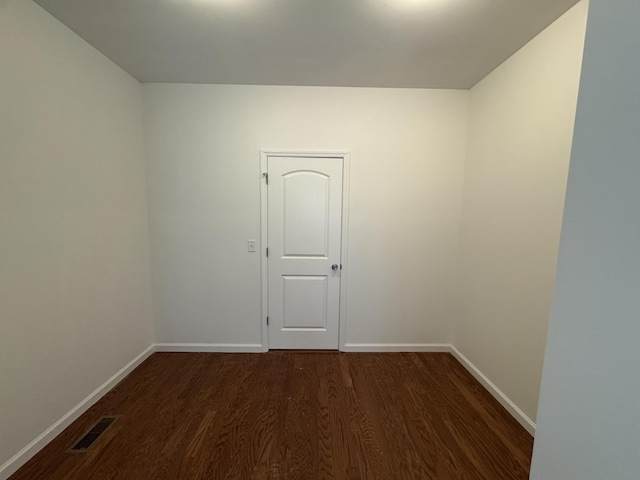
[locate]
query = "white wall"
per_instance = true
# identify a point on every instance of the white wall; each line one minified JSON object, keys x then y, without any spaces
{"x":589,"y":419}
{"x":74,"y":264}
{"x":407,"y":158}
{"x":520,"y":128}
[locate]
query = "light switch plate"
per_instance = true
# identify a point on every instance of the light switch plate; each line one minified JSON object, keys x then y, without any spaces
{"x":251,"y":246}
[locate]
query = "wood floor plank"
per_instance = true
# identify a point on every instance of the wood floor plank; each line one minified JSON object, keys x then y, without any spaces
{"x":294,"y":415}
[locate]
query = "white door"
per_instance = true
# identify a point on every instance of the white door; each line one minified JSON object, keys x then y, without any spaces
{"x":304,"y":228}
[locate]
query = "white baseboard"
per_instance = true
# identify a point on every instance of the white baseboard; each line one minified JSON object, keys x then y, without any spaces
{"x":528,"y":424}
{"x":20,"y":458}
{"x":396,"y":347}
{"x":210,"y":347}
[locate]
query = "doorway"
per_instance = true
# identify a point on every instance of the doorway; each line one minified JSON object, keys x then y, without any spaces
{"x":304,"y":235}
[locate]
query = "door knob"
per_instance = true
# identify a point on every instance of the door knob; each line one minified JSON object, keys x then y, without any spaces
{"x":335,"y":267}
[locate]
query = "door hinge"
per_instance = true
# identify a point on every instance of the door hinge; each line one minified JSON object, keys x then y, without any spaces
{"x":267,"y":252}
{"x":265,"y":175}
{"x":267,"y":321}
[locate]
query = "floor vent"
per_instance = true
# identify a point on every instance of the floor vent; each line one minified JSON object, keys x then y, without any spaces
{"x":92,"y":435}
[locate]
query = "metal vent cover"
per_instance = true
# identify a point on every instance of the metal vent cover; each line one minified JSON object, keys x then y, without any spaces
{"x":88,"y":439}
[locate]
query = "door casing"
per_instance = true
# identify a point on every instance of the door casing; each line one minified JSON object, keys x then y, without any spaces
{"x":346,"y":164}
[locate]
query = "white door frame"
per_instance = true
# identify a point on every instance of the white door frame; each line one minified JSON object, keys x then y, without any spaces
{"x":346,"y":164}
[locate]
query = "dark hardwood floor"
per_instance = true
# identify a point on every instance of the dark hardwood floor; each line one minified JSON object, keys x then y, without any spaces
{"x":294,"y":415}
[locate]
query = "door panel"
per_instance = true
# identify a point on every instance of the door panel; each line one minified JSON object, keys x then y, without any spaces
{"x":305,"y":302}
{"x":304,"y":230}
{"x":306,"y":214}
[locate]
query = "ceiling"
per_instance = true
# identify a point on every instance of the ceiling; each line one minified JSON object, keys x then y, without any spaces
{"x":365,"y":43}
